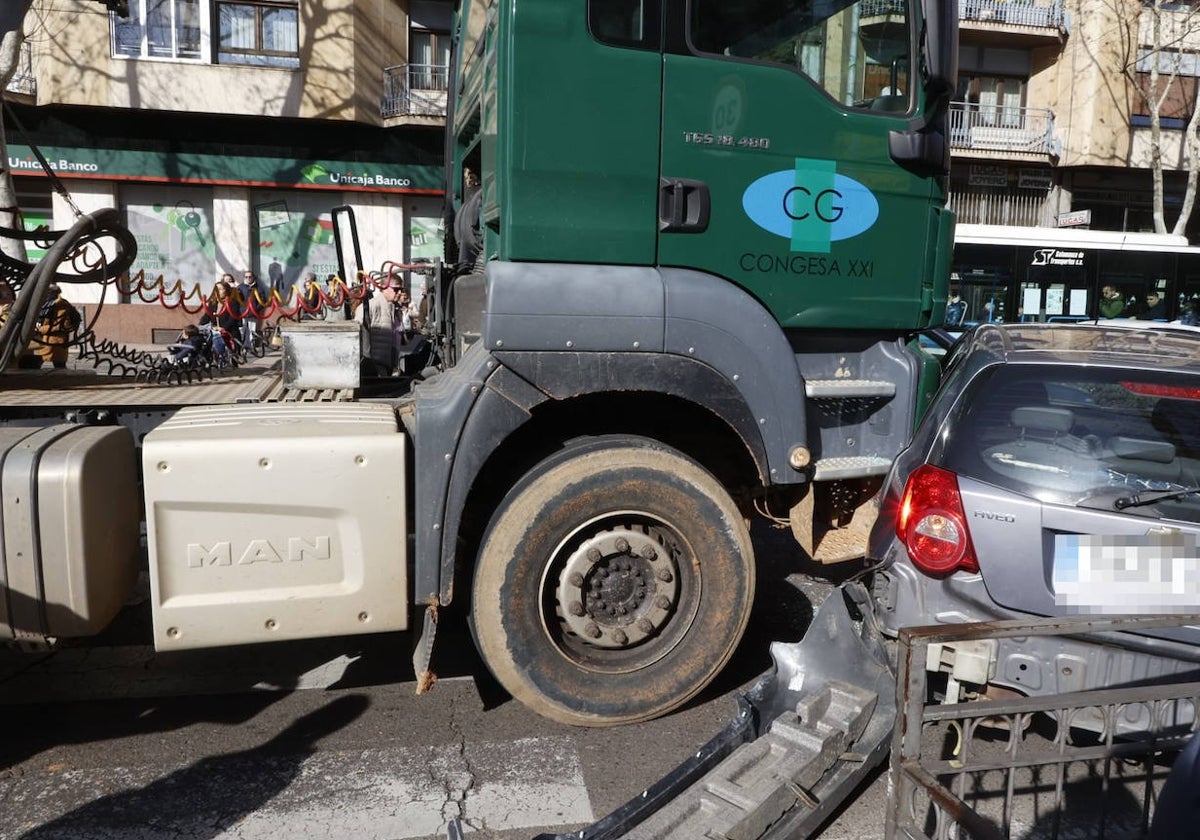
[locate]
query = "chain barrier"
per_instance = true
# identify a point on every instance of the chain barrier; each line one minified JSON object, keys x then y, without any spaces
{"x":115,"y":359}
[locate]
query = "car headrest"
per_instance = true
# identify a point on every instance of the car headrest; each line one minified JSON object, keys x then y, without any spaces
{"x":1140,"y":449}
{"x":1043,"y":418}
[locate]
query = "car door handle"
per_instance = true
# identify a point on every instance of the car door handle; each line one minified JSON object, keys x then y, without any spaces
{"x":683,"y":205}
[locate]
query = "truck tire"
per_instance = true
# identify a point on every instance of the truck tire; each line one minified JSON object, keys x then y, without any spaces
{"x":614,"y":582}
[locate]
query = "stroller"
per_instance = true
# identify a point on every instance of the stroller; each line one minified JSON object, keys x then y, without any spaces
{"x":199,"y":350}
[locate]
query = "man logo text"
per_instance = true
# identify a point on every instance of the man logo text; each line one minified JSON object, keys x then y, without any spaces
{"x":225,"y":553}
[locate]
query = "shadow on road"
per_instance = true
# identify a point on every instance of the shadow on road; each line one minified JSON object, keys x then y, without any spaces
{"x":208,"y":797}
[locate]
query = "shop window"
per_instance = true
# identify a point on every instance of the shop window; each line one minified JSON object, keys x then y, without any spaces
{"x":260,"y":32}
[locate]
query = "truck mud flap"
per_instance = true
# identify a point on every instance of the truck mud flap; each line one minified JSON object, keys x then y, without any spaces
{"x":802,"y":739}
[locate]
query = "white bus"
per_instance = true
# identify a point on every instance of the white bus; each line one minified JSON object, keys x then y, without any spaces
{"x":1004,"y":273}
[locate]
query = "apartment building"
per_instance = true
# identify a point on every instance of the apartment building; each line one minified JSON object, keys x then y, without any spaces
{"x":1051,"y":146}
{"x":1047,"y":128}
{"x":227,"y":133}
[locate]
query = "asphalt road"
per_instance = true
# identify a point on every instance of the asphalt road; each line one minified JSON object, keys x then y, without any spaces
{"x":328,"y":739}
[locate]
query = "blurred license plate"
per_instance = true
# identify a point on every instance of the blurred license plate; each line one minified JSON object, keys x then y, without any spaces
{"x":1145,"y":573}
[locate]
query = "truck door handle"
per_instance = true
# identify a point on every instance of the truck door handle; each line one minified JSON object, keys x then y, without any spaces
{"x":683,"y":205}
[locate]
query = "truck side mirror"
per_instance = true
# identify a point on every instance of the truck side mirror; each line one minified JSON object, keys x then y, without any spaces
{"x":941,"y":52}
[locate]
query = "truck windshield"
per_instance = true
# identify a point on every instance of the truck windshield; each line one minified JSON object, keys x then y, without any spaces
{"x":857,"y":52}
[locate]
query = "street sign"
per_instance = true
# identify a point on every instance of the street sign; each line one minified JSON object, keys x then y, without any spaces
{"x":1075,"y":217}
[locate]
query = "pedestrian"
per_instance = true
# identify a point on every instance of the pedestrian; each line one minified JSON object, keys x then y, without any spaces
{"x":1155,"y":308}
{"x":337,"y":298}
{"x":312,"y":302}
{"x":252,"y":301}
{"x":1112,"y":305}
{"x":956,"y":311}
{"x":57,"y":321}
{"x":382,"y":321}
{"x":224,"y":312}
{"x":1190,"y":312}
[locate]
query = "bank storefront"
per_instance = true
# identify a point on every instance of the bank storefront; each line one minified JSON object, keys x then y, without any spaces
{"x":197,"y":214}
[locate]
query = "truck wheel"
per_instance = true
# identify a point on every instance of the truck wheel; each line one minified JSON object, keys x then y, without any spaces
{"x":613,"y":584}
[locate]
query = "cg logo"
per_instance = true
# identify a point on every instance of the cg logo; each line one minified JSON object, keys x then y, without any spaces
{"x":811,"y":205}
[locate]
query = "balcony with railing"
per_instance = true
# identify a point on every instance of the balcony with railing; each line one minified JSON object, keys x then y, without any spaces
{"x":23,"y":81}
{"x":414,"y":90}
{"x":1017,"y":23}
{"x":997,"y":132}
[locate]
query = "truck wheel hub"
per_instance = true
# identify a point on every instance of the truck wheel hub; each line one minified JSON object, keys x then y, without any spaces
{"x":618,"y":589}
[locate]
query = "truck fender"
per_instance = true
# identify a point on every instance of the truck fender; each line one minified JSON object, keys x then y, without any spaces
{"x":507,"y":399}
{"x":546,"y":307}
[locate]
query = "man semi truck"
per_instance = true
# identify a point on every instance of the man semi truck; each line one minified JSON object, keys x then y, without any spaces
{"x":693,"y":242}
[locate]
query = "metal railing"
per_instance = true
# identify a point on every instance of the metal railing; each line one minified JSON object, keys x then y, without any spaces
{"x":996,"y":128}
{"x":876,"y":8}
{"x":1047,"y":14}
{"x":414,"y":90}
{"x":23,"y":80}
{"x":1081,"y":764}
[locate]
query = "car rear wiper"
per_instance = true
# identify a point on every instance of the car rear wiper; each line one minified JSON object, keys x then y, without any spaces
{"x":1137,"y":499}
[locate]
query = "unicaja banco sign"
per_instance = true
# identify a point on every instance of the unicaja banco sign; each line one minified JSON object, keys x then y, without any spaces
{"x":811,"y":206}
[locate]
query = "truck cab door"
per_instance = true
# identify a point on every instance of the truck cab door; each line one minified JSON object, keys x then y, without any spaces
{"x":775,"y":165}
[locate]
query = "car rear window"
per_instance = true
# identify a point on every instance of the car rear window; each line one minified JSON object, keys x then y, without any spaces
{"x":1073,"y":434}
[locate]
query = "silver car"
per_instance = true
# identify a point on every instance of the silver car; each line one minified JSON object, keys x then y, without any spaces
{"x":1057,"y":472}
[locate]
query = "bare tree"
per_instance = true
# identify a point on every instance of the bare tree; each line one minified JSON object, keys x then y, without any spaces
{"x":12,"y":35}
{"x":1161,"y":42}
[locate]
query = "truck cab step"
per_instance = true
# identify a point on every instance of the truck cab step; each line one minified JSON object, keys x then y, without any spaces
{"x":857,"y":466}
{"x":834,"y":389}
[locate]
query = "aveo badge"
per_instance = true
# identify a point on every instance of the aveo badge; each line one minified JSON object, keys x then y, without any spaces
{"x":810,"y":205}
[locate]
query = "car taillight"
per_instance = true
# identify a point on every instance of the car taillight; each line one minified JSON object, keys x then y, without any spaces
{"x":933,"y":525}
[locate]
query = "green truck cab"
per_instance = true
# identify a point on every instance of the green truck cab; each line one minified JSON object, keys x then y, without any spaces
{"x":691,"y":243}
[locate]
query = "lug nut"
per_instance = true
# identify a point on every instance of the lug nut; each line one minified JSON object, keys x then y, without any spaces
{"x":619,"y":637}
{"x":575,"y":608}
{"x":665,"y":575}
{"x":594,"y":555}
{"x":649,"y":553}
{"x":645,"y":626}
{"x":592,"y":629}
{"x":662,"y":602}
{"x":622,"y":545}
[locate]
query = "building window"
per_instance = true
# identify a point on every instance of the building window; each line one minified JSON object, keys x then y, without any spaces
{"x":169,"y":29}
{"x":1175,"y":107}
{"x":264,"y":33}
{"x":1176,"y":91}
{"x":260,"y":32}
{"x":428,"y":59}
{"x":996,"y":100}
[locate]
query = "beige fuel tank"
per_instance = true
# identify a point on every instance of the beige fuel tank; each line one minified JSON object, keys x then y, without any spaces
{"x":276,"y":521}
{"x":69,"y":553}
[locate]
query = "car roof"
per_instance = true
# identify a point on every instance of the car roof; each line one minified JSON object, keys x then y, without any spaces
{"x":1122,"y":342}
